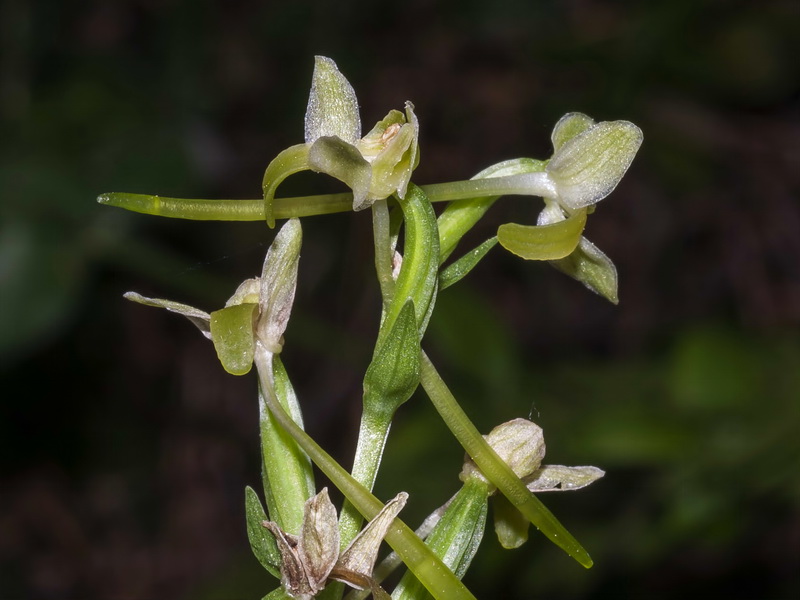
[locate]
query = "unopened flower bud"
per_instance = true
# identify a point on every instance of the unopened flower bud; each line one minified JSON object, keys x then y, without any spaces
{"x":520,"y":443}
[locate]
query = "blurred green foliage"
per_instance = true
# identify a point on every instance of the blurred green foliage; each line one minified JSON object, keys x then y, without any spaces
{"x":126,"y":449}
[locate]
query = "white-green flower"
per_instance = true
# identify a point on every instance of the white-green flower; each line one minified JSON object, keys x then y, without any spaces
{"x":258,"y":312}
{"x":589,"y":160}
{"x":520,"y":443}
{"x":374,"y":166}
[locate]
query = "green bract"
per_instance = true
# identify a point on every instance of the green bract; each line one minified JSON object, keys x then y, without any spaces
{"x":374,"y":167}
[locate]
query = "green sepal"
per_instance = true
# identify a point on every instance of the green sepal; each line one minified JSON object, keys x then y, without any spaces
{"x":393,"y":374}
{"x":286,"y":469}
{"x":262,"y":542}
{"x":461,"y":215}
{"x":457,"y":270}
{"x":510,"y":525}
{"x":199,"y":317}
{"x":587,"y":167}
{"x":455,"y":538}
{"x":292,"y":160}
{"x":332,"y":105}
{"x":589,"y":265}
{"x":568,"y":127}
{"x":343,"y":161}
{"x":232,"y":334}
{"x":543,"y":242}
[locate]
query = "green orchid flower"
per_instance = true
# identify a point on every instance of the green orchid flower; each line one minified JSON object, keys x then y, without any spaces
{"x":256,"y":314}
{"x":374,"y":166}
{"x":520,"y":443}
{"x":249,"y":329}
{"x":589,"y":160}
{"x":455,"y":530}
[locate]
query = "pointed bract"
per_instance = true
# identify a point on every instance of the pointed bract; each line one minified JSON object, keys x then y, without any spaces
{"x":319,"y":539}
{"x":293,"y":573}
{"x":360,"y":555}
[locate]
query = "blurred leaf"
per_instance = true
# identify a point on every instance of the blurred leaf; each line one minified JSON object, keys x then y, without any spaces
{"x":713,"y":369}
{"x":497,"y":363}
{"x":41,"y":275}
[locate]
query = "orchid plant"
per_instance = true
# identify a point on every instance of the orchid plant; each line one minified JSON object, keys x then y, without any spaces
{"x":298,"y":537}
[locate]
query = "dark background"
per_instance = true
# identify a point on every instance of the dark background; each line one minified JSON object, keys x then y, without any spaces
{"x":125,"y":448}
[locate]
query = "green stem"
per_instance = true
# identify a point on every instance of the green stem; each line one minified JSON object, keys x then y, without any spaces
{"x":437,"y":578}
{"x":523,"y":184}
{"x":372,"y":432}
{"x":381,"y":233}
{"x":372,"y":436}
{"x":493,"y":467}
{"x":527,"y":184}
